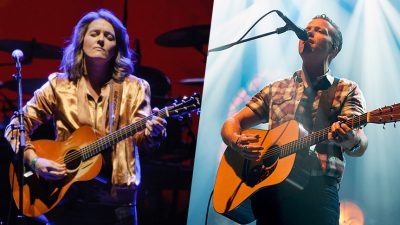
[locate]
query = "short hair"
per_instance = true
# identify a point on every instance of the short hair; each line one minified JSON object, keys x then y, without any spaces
{"x":336,"y":34}
{"x":72,"y":62}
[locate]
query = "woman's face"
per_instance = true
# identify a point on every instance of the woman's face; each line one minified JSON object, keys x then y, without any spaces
{"x":99,"y":43}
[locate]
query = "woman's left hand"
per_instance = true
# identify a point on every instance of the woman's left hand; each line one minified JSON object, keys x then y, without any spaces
{"x":156,"y":126}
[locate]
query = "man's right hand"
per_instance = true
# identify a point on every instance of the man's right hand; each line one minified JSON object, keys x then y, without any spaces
{"x":50,"y":170}
{"x":243,"y":145}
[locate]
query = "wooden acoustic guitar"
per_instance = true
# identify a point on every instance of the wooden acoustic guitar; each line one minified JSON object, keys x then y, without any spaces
{"x":238,"y":178}
{"x":81,"y":154}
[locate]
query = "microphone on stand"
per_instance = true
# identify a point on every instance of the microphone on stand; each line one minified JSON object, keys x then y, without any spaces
{"x":300,"y":33}
{"x":17,"y":55}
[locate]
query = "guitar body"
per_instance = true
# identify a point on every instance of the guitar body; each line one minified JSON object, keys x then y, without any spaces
{"x":40,"y":195}
{"x":238,"y":178}
{"x":81,"y":154}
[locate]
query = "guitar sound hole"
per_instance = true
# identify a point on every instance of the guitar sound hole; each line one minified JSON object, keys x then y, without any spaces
{"x":257,"y":172}
{"x":272,"y":155}
{"x":73,"y":159}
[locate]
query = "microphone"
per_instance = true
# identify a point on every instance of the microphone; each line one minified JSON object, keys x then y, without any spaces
{"x":300,"y":33}
{"x":17,"y":55}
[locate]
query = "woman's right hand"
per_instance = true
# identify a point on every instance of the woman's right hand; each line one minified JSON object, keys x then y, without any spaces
{"x":50,"y":170}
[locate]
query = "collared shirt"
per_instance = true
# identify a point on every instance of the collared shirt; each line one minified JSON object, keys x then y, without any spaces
{"x":278,"y":102}
{"x":71,"y":106}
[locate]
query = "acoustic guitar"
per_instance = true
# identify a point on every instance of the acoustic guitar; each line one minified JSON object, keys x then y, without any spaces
{"x":81,"y":155}
{"x":238,"y":178}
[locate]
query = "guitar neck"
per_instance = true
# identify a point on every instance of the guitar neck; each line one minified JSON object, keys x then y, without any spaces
{"x":113,"y":138}
{"x":319,"y":136}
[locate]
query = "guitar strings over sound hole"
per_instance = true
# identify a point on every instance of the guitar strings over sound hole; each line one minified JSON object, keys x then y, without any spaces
{"x":272,"y":155}
{"x":259,"y":171}
{"x":73,"y":159}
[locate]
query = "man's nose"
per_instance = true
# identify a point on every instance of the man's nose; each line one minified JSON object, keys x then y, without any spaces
{"x":310,"y":33}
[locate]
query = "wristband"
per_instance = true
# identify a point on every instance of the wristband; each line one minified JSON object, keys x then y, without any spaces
{"x":33,"y":162}
{"x":355,"y":147}
{"x":29,"y":147}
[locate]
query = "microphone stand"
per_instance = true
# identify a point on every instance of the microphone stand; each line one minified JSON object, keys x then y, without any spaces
{"x":277,"y":31}
{"x":22,"y":144}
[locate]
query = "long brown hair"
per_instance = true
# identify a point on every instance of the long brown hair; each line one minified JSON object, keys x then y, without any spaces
{"x":73,"y":58}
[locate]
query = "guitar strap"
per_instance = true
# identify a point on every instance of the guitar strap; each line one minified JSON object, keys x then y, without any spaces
{"x":114,"y":105}
{"x":324,"y":115}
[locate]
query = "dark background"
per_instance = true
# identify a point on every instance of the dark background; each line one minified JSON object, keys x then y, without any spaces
{"x":31,"y":25}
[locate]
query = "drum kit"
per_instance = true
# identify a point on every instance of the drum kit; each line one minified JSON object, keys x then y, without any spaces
{"x":195,"y":36}
{"x":160,"y":84}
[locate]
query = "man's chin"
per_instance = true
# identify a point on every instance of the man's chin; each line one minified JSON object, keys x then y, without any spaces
{"x":306,"y":52}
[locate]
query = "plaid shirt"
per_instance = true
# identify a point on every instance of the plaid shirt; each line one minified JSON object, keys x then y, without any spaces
{"x":277,"y":103}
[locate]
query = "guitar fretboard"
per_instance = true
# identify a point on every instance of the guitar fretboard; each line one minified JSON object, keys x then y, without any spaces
{"x":318,"y":136}
{"x":113,"y":138}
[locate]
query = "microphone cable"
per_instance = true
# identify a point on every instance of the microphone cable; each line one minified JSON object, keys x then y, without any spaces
{"x":244,"y":35}
{"x":208,"y":207}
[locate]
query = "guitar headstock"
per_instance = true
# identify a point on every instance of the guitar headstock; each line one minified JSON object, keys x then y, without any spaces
{"x":387,"y":114}
{"x":185,"y":106}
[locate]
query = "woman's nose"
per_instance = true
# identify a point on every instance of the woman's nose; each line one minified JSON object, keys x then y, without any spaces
{"x":100,"y":41}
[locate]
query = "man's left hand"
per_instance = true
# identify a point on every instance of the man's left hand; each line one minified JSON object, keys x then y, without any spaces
{"x":342,"y":134}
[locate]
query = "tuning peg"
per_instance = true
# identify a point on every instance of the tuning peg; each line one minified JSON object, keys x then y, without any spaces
{"x":394,"y":125}
{"x":384,"y":126}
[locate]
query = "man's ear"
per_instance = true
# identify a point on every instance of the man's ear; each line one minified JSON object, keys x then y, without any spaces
{"x":334,"y":52}
{"x":334,"y":47}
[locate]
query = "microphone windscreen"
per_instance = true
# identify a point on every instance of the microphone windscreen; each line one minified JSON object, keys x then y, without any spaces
{"x":17,"y":54}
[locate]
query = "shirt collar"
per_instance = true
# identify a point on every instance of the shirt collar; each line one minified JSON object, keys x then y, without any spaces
{"x":323,"y":82}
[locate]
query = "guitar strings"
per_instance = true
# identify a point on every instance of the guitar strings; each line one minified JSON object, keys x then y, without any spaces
{"x":273,"y":151}
{"x":100,"y":144}
{"x":316,"y":135}
{"x":293,"y":146}
{"x":123,"y":133}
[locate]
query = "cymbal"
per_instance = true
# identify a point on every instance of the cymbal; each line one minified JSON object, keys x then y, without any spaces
{"x":160,"y":84}
{"x":193,"y":81}
{"x":32,"y":49}
{"x":28,"y":85}
{"x":192,"y":36}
